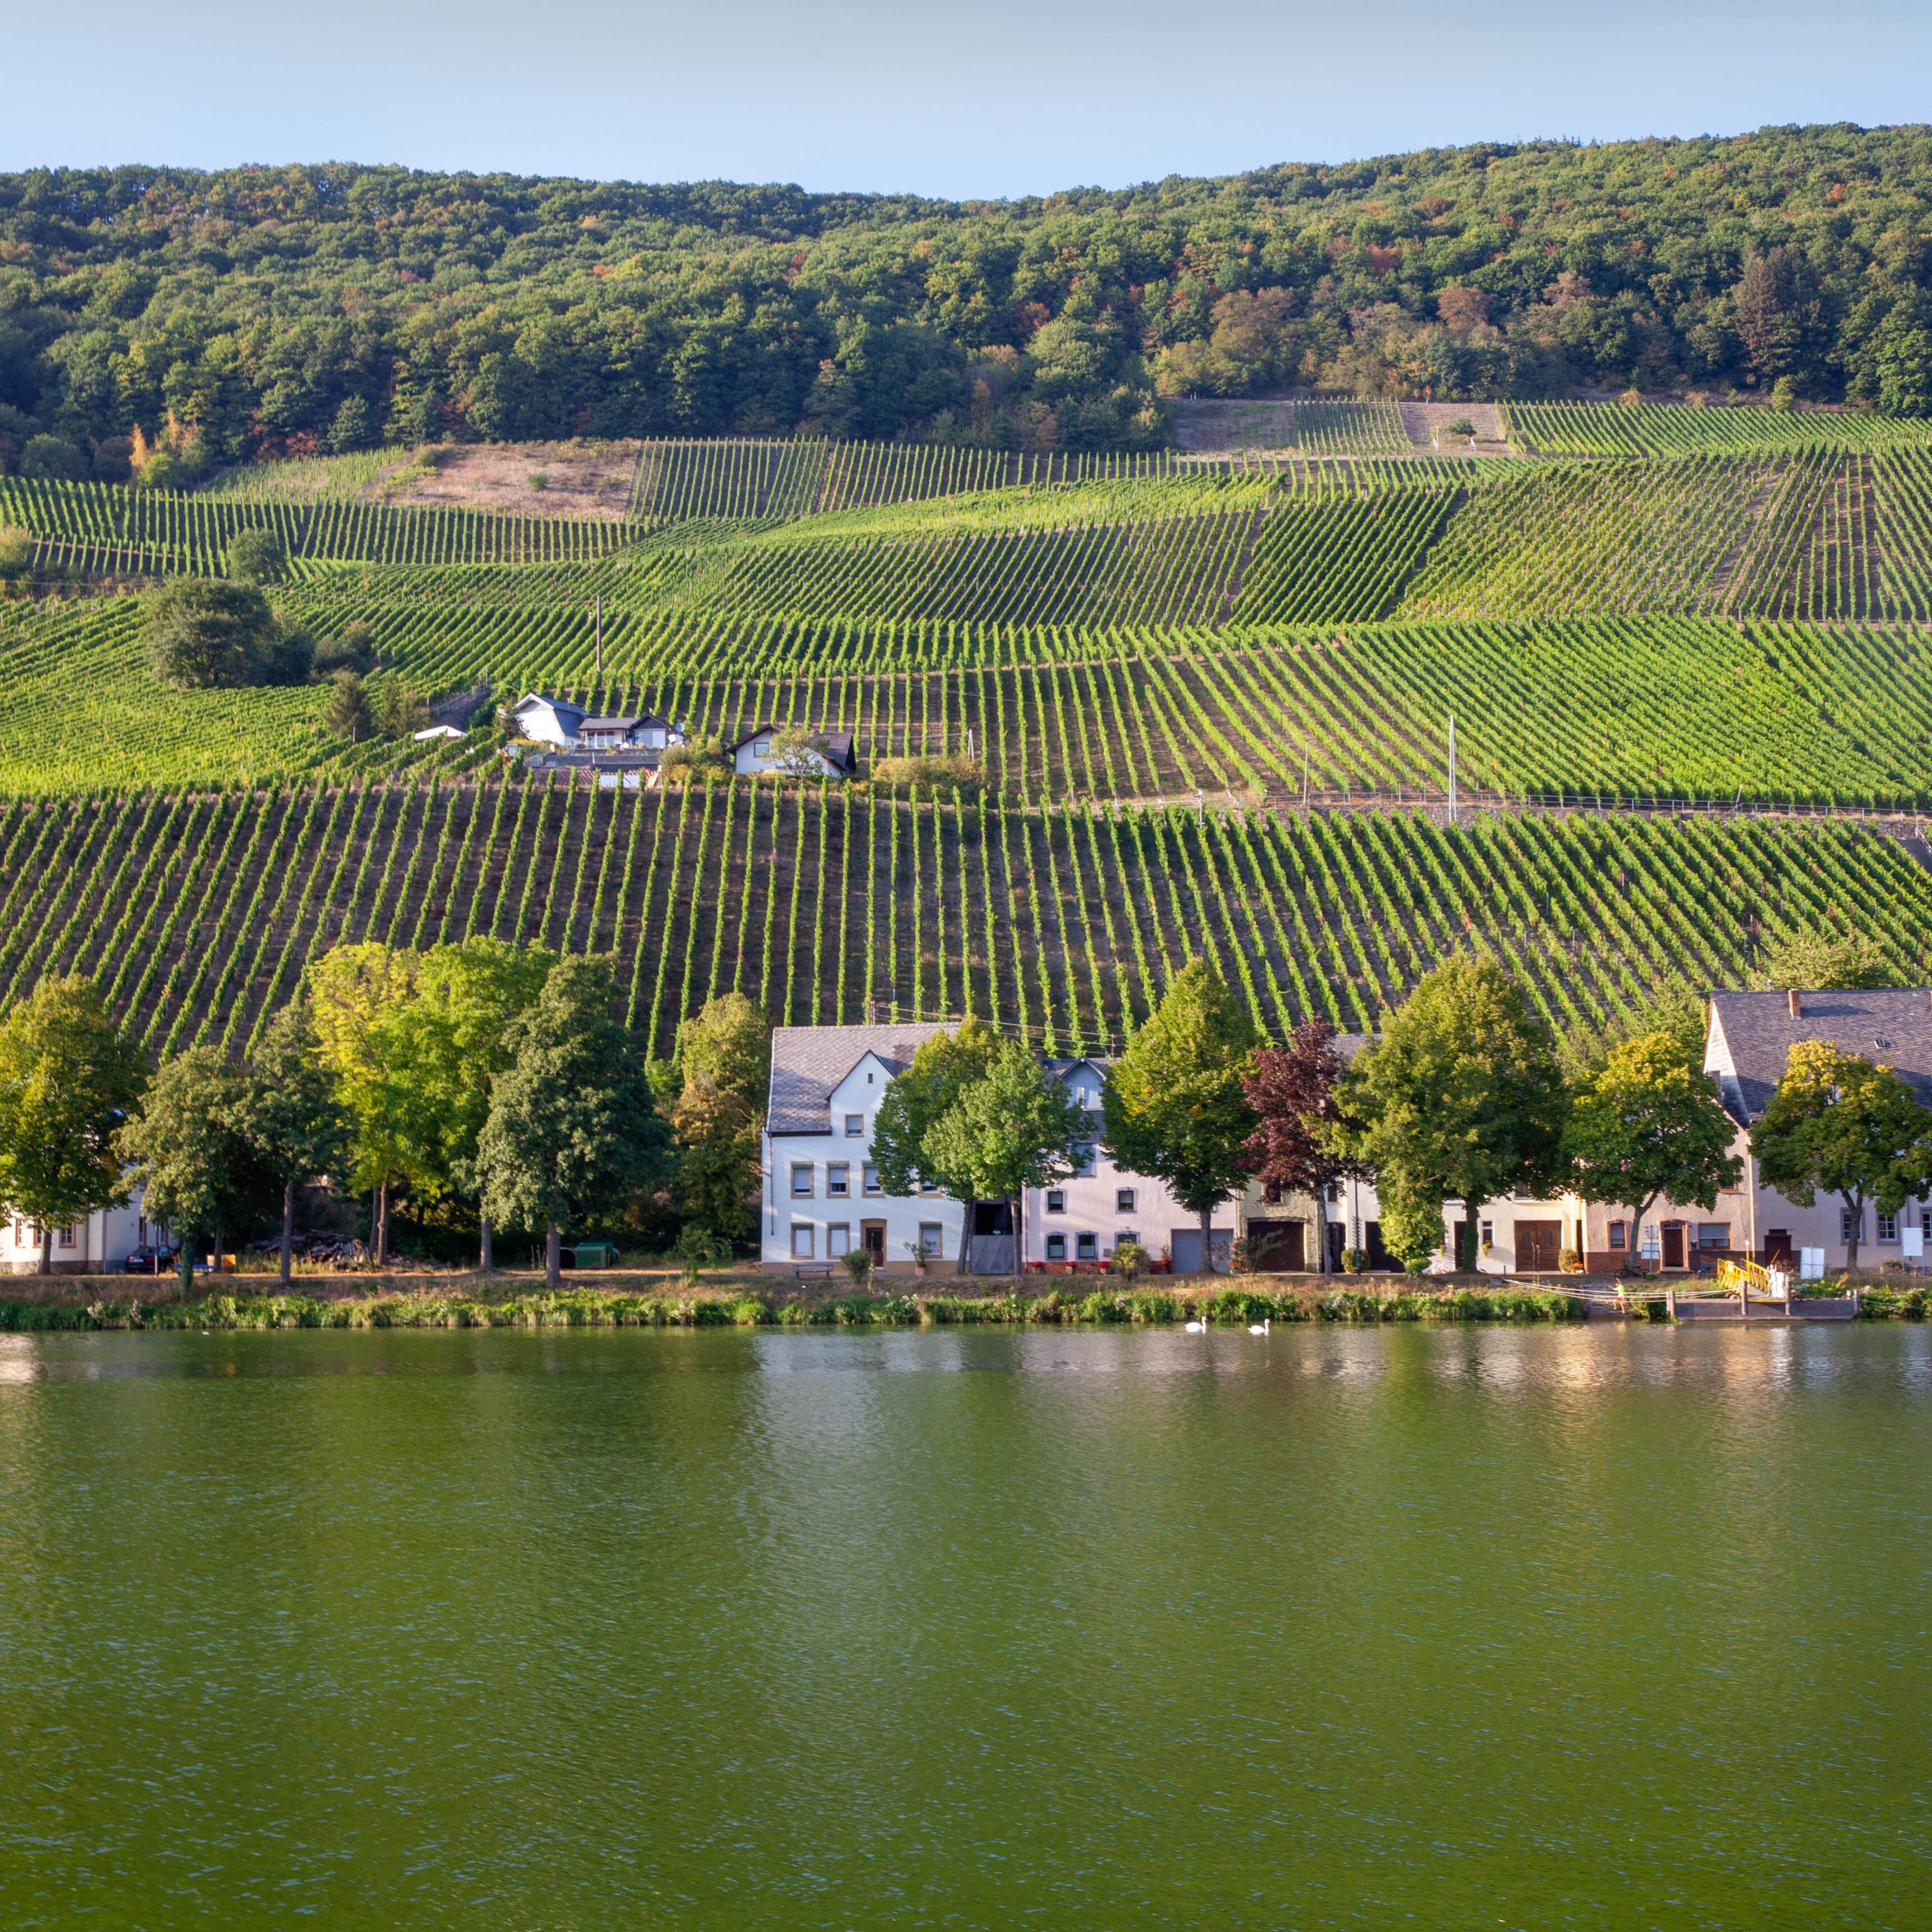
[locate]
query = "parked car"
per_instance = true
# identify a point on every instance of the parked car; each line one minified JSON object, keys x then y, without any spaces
{"x":152,"y":1260}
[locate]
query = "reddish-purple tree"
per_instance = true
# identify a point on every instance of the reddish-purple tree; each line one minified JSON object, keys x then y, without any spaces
{"x":1292,"y":1089}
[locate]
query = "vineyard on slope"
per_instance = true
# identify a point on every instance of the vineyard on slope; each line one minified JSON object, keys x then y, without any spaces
{"x":1665,"y":429}
{"x":199,"y":914}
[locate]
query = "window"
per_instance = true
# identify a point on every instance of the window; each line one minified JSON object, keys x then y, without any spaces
{"x":801,"y":1180}
{"x":802,"y":1232}
{"x":1846,"y":1224}
{"x":855,"y":1126}
{"x":869,"y":1179}
{"x":1713,"y":1234}
{"x":926,"y":1186}
{"x":1087,"y":1247}
{"x":1271,"y":1192}
{"x":1489,"y":1233}
{"x":1083,"y":1158}
{"x":1125,"y":1235}
{"x":838,"y":1239}
{"x":838,"y":1180}
{"x":1887,"y":1227}
{"x":1618,"y":1234}
{"x":1056,"y":1247}
{"x":1126,"y":1199}
{"x":931,"y":1237}
{"x":1056,"y":1201}
{"x":64,"y":1237}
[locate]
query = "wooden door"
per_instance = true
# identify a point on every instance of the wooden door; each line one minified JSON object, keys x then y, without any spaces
{"x":1277,"y":1246}
{"x":1673,"y":1244}
{"x":873,"y":1234}
{"x":1538,"y":1246}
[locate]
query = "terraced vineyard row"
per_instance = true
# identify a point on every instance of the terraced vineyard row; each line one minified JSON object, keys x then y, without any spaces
{"x":1664,"y":429}
{"x":199,"y":914}
{"x":99,"y":528}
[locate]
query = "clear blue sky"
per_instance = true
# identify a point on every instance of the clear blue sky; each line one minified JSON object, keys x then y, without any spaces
{"x":1002,"y":98}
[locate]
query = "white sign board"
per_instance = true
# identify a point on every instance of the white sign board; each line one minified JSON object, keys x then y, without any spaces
{"x":1912,"y":1243}
{"x":1811,"y":1263}
{"x":1649,"y":1250}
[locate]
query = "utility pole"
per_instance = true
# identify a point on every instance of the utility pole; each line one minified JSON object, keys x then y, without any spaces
{"x":1304,"y":775}
{"x":1452,"y":768}
{"x":599,"y":621}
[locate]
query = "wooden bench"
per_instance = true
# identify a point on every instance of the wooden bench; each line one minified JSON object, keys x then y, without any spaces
{"x":812,"y":1271}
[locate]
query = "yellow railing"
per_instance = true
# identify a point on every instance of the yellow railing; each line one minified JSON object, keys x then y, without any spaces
{"x":1739,"y":1278}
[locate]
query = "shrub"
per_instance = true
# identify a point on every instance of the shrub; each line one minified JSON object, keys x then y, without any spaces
{"x":701,"y":762}
{"x":16,"y":553}
{"x":1130,"y":1261}
{"x":858,"y":1265}
{"x":353,"y":648}
{"x":956,"y":771}
{"x":206,"y":635}
{"x":256,"y":556}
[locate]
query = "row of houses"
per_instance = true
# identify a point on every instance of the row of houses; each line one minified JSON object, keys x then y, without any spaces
{"x":631,"y":745}
{"x":822,"y":1198}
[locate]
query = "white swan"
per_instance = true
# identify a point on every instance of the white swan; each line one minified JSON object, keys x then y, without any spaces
{"x":1260,"y":1328}
{"x":1197,"y":1327}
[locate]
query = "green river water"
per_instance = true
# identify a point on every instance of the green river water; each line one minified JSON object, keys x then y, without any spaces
{"x":1483,"y":1626}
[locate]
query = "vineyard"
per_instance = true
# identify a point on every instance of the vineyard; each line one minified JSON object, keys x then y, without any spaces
{"x":199,"y":913}
{"x":1665,"y":429}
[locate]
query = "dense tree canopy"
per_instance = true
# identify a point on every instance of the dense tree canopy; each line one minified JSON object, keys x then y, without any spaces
{"x":290,"y":309}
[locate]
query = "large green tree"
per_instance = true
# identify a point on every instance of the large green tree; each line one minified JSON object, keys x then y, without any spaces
{"x":69,"y":1078}
{"x":442,"y":1048}
{"x":573,"y":1131}
{"x":1461,"y":1098}
{"x":205,"y":634}
{"x":724,"y":1051}
{"x":942,"y":1068}
{"x":289,"y":1115}
{"x":1839,"y":1124}
{"x":1648,"y":1124}
{"x":197,"y":1171}
{"x":1014,"y":1128}
{"x":1175,"y":1102}
{"x":1810,"y":960}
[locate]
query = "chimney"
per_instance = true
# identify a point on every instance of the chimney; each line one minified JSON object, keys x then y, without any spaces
{"x":1797,"y":1008}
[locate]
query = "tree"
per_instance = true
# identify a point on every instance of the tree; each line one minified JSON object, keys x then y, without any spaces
{"x":1015,"y":1128}
{"x":1461,"y":1098}
{"x":1648,"y":1124}
{"x":1412,"y":1228}
{"x":573,"y":1130}
{"x":16,"y":553}
{"x":1291,"y":1089}
{"x":69,"y":1078}
{"x":1838,"y":1124}
{"x":255,"y":555}
{"x":197,"y":1170}
{"x":445,"y":1047}
{"x":797,"y":752}
{"x":289,"y":1114}
{"x":398,"y":710}
{"x":1808,"y":960}
{"x":725,"y":1055}
{"x":203,"y":634}
{"x":347,"y":716}
{"x":1903,"y":360}
{"x":1174,"y":1101}
{"x":943,"y":1067}
{"x":356,"y":992}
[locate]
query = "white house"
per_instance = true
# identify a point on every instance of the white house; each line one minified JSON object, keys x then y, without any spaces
{"x":98,"y":1245}
{"x":1085,"y":1219}
{"x":753,"y":752}
{"x":822,"y":1193}
{"x":623,"y":733}
{"x":550,"y":721}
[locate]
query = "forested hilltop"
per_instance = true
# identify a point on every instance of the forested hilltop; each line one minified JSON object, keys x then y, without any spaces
{"x":182,"y":319}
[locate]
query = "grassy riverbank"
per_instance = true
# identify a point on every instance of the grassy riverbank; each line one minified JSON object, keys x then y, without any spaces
{"x":512,"y":1305}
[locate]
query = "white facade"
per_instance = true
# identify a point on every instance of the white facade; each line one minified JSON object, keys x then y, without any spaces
{"x":1082,"y":1220}
{"x":98,"y":1245}
{"x":821,"y":1194}
{"x":550,"y":721}
{"x":754,"y":755}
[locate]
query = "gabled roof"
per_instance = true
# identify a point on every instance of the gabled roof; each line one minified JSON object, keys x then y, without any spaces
{"x":1751,"y":1036}
{"x":558,"y":704}
{"x":837,"y":745}
{"x":808,"y":1063}
{"x":627,"y":723}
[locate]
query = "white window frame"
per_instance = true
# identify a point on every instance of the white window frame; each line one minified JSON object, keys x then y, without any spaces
{"x":1056,"y":1201}
{"x":1888,"y":1226}
{"x":1056,"y":1240}
{"x":855,"y":1126}
{"x":1127,"y":1200}
{"x":1086,"y":1246}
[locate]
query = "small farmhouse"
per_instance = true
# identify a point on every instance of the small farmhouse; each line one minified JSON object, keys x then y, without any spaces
{"x":621,"y":734}
{"x":835,"y":758}
{"x":549,"y":721}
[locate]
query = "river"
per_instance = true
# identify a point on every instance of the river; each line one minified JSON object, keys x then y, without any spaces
{"x":1468,"y":1626}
